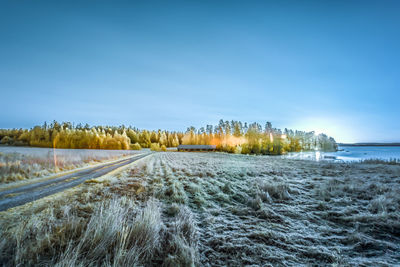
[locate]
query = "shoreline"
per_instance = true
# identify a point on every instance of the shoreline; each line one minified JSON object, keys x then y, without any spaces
{"x":370,"y":144}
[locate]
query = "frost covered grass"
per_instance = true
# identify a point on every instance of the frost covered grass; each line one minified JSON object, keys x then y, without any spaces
{"x":392,"y":161}
{"x":253,"y":210}
{"x":215,"y":209}
{"x":97,"y":224}
{"x":19,"y":163}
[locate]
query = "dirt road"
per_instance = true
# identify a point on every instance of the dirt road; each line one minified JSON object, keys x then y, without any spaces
{"x":24,"y":194}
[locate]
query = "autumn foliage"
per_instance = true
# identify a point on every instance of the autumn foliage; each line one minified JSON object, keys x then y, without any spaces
{"x":232,"y":137}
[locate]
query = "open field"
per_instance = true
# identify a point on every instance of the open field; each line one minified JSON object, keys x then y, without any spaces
{"x":20,"y":163}
{"x":214,"y":209}
{"x":20,"y":194}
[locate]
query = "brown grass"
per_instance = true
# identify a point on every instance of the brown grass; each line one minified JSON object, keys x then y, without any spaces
{"x":31,"y":163}
{"x":94,"y":225}
{"x":190,"y":209}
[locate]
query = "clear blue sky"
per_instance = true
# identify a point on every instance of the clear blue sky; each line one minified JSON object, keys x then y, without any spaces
{"x":329,"y":66}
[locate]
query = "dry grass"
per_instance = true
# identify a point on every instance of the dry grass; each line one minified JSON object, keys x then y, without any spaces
{"x":19,"y":163}
{"x":199,"y":209}
{"x":381,"y":161}
{"x":117,"y":234}
{"x":94,"y":225}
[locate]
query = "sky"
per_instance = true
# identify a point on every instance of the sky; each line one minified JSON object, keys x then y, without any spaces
{"x":327,"y":66}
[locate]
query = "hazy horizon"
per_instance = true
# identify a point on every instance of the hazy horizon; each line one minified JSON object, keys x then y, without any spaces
{"x":330,"y":67}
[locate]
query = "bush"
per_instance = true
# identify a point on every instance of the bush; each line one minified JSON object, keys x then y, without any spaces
{"x":155,"y":147}
{"x":164,"y":148}
{"x":135,"y":146}
{"x":245,"y":149}
{"x":6,"y":140}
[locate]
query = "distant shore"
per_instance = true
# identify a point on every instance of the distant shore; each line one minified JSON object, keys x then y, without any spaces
{"x":370,"y":144}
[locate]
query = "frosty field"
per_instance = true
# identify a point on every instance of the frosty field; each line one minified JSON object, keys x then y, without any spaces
{"x":214,"y":209}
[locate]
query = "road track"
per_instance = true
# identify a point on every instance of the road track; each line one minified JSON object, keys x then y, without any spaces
{"x":28,"y":193}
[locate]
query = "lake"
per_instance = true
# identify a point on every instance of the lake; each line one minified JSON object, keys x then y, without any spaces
{"x":352,"y":153}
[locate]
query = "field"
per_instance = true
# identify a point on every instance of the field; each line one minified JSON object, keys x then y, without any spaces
{"x":20,"y":163}
{"x":214,"y":209}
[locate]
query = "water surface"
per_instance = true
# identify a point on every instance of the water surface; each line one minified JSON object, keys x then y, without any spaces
{"x":352,"y":153}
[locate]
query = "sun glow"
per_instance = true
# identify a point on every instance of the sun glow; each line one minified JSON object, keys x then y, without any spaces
{"x":318,"y":132}
{"x":228,"y":141}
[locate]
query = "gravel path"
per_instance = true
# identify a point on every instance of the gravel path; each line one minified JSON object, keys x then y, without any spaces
{"x":28,"y":193}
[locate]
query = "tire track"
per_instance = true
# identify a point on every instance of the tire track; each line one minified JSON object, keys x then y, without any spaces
{"x":25,"y":194}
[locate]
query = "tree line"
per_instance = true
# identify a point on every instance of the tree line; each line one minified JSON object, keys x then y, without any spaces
{"x":227,"y":136}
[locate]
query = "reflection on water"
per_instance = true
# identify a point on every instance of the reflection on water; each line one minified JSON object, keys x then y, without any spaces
{"x":351,"y":153}
{"x":317,"y":155}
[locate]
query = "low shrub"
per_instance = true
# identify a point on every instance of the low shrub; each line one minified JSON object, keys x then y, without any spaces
{"x":135,"y":146}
